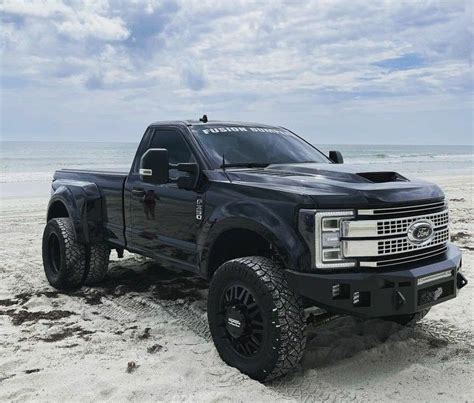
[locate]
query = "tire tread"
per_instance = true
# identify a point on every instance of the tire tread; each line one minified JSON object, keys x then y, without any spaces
{"x":98,"y":263}
{"x":288,"y":311}
{"x":73,"y":266}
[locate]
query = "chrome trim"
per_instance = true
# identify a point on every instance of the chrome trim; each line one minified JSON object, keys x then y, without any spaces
{"x":401,"y":210}
{"x":359,"y":229}
{"x":378,"y":228}
{"x":434,"y":277}
{"x":403,"y":260}
{"x":146,"y":172}
{"x":388,"y":246}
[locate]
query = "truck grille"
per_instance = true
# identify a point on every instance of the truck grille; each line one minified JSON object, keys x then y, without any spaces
{"x":398,"y":226}
{"x":379,"y":237}
{"x":402,"y":245}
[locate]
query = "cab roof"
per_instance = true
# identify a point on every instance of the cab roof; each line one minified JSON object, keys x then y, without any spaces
{"x":194,"y":122}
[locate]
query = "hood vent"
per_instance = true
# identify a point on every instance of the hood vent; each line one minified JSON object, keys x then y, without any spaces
{"x":382,"y":177}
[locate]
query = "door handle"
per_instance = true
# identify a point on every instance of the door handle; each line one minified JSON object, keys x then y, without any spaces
{"x":137,"y":192}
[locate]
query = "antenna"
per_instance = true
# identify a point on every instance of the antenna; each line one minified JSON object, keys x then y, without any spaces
{"x":223,"y":168}
{"x":203,"y":119}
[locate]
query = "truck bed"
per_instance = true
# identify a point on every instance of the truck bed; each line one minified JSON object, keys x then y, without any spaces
{"x":89,"y":171}
{"x":110,"y":185}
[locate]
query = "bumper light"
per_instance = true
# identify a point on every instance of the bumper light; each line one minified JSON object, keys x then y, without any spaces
{"x":434,"y":277}
{"x":328,"y":239}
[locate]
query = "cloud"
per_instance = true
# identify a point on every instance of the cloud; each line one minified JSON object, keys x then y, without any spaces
{"x":84,"y":21}
{"x":93,"y":26}
{"x":239,"y":57}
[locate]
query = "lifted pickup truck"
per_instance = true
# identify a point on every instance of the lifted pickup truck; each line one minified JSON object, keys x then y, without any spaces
{"x":273,"y":224}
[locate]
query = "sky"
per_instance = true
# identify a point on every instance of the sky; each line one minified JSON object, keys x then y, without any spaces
{"x":354,"y":72}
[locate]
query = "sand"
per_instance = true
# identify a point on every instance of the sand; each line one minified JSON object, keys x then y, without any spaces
{"x":143,"y":336}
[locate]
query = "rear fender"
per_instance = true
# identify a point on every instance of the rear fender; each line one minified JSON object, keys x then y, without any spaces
{"x":83,"y":203}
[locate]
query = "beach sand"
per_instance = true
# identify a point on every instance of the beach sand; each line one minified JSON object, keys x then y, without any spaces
{"x":143,"y":336}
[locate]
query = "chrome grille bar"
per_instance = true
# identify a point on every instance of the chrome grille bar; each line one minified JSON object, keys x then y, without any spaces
{"x":407,"y":259}
{"x":391,"y":246}
{"x":392,"y":226}
{"x":420,"y":208}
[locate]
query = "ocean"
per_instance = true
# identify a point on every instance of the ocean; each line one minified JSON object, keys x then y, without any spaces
{"x":26,"y":168}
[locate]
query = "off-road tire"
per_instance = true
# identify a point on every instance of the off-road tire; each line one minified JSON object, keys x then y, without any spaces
{"x":409,"y":319}
{"x":99,"y":254}
{"x":284,"y":338}
{"x":64,"y":259}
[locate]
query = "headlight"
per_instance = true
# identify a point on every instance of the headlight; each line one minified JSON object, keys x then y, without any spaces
{"x":328,"y":239}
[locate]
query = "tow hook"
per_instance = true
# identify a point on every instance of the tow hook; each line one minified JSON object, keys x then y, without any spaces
{"x":399,"y":300}
{"x":461,"y":281}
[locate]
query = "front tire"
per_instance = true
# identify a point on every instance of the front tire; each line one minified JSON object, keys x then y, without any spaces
{"x":64,"y":259}
{"x":257,"y":322}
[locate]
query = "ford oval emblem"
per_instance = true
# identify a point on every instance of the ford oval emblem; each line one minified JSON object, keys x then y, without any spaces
{"x":421,"y":232}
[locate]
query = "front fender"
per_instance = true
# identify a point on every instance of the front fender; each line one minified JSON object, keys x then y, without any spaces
{"x":279,"y":231}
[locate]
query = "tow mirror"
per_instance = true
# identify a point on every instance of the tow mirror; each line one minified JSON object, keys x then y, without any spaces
{"x":336,"y":157}
{"x":190,"y":181}
{"x":154,"y":166}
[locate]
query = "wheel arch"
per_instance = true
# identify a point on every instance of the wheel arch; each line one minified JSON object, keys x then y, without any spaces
{"x":239,"y":237}
{"x":57,"y":209}
{"x":82,"y":204}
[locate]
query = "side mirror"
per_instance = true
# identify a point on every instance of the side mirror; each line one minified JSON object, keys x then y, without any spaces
{"x":190,"y":181}
{"x":336,"y":157}
{"x":154,"y":166}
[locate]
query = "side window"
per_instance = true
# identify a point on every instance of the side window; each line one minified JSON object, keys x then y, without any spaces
{"x":174,"y":143}
{"x":141,"y":149}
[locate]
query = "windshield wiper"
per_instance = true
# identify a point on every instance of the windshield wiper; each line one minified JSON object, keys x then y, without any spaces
{"x":245,"y":165}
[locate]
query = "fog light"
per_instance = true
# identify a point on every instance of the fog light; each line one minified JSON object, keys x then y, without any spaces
{"x":341,"y":291}
{"x":356,"y":298}
{"x":361,"y":299}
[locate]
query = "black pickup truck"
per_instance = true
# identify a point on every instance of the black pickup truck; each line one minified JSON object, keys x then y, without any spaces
{"x":273,"y":224}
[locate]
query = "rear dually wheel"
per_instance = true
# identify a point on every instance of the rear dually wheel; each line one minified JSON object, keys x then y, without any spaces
{"x":64,"y":259}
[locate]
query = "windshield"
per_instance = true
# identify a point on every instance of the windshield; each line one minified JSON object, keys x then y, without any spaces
{"x":254,"y":146}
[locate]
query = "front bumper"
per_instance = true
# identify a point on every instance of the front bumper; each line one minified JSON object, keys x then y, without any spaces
{"x":383,"y":293}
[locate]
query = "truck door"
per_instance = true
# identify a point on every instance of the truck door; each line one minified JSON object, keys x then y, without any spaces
{"x":162,"y":220}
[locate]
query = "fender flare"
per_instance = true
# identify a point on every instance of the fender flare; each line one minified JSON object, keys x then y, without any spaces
{"x":84,"y":206}
{"x":254,"y":217}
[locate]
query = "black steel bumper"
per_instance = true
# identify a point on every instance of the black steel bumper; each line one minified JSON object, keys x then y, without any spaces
{"x":383,"y":293}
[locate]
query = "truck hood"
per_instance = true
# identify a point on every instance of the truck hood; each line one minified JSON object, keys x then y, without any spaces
{"x":338,"y":184}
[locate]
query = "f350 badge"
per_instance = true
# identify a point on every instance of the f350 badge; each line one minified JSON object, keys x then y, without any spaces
{"x":199,"y":209}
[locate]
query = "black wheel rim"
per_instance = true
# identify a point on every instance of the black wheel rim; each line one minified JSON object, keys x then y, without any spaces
{"x":242,"y":321}
{"x":54,"y":253}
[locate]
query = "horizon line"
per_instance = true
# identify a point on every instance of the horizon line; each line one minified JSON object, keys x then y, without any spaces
{"x":321,"y":144}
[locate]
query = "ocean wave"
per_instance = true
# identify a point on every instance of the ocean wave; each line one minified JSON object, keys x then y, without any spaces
{"x":12,"y":177}
{"x":415,"y":158}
